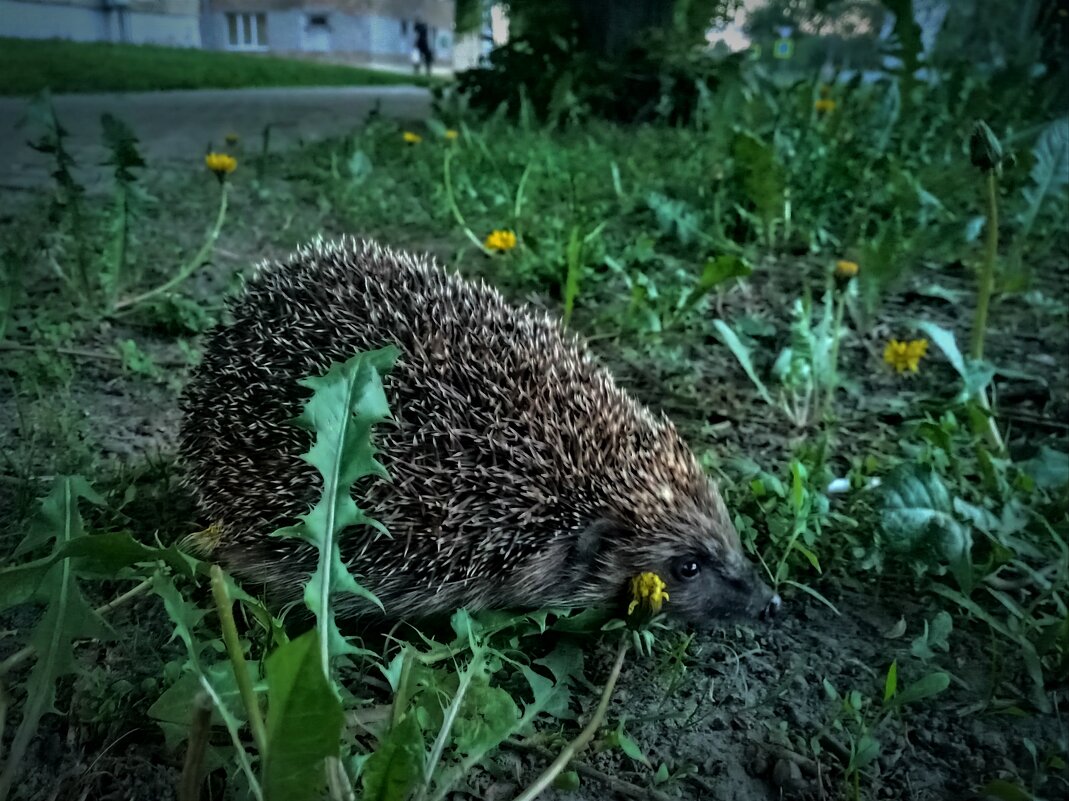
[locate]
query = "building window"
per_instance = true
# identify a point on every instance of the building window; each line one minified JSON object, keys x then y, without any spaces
{"x":246,"y":31}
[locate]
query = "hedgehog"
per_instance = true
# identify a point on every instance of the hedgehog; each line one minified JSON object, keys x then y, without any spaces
{"x":520,"y":475}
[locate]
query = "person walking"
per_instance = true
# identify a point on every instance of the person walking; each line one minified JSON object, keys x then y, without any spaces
{"x":422,"y":54}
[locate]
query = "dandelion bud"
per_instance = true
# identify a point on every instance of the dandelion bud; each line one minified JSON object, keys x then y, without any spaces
{"x":985,"y":151}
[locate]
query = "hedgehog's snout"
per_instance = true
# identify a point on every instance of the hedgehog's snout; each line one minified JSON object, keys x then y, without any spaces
{"x":772,"y":607}
{"x":766,"y":602}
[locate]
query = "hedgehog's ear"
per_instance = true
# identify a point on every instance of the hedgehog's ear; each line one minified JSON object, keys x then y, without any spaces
{"x":595,"y":538}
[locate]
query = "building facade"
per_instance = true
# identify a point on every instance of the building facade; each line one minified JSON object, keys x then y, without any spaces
{"x":163,"y":22}
{"x":378,"y":32}
{"x":351,"y":31}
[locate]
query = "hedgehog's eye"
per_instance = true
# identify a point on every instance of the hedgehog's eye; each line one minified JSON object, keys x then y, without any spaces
{"x":688,"y":569}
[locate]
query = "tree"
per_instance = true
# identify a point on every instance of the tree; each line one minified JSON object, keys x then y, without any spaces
{"x":611,"y":29}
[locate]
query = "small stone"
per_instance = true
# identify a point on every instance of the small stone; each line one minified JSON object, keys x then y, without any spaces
{"x":759,"y":763}
{"x":787,"y":775}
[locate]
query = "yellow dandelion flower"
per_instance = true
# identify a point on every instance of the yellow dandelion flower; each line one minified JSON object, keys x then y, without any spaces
{"x":451,"y":134}
{"x":412,"y":138}
{"x":845,"y":269}
{"x":232,"y":138}
{"x":647,"y":590}
{"x":500,"y":240}
{"x":825,"y":105}
{"x":221,"y":164}
{"x":904,"y":356}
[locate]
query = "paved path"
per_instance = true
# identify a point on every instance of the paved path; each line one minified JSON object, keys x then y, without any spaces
{"x":176,"y":127}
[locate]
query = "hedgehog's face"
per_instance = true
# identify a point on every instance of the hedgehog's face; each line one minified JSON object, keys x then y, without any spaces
{"x":709,"y":580}
{"x":707,"y":589}
{"x":698,"y":556}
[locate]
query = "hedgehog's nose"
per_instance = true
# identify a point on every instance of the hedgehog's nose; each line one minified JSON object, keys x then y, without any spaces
{"x":772,"y":607}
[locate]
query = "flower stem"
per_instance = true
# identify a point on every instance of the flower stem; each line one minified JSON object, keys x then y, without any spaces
{"x":225,"y":607}
{"x":585,"y":736}
{"x":987,"y":272}
{"x":988,"y":429}
{"x":189,"y":784}
{"x":448,"y":179}
{"x":190,"y":266}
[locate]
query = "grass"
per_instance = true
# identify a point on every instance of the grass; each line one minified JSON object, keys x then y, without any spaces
{"x":28,"y":66}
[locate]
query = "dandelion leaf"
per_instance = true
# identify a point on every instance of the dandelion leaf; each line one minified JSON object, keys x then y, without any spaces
{"x":392,"y":771}
{"x":304,"y":722}
{"x":1049,"y":468}
{"x":217,"y":680}
{"x":918,"y":518}
{"x":487,"y":716}
{"x":122,"y":143}
{"x":103,"y":555}
{"x":346,"y":403}
{"x":762,"y":178}
{"x":675,"y":217}
{"x":1050,"y":172}
{"x":67,"y":616}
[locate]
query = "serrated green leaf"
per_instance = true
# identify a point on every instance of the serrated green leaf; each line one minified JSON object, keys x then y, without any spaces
{"x":101,"y":555}
{"x":174,"y":708}
{"x":675,"y":217}
{"x":304,"y":722}
{"x":1050,"y":172}
{"x":762,"y":178}
{"x":934,"y":638}
{"x":66,"y":618}
{"x":394,"y":769}
{"x":347,"y":401}
{"x":487,"y":716}
{"x":57,"y":513}
{"x":122,"y":145}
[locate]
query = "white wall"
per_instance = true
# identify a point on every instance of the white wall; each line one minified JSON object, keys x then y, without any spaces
{"x":163,"y":29}
{"x":81,"y":24}
{"x":40,"y":21}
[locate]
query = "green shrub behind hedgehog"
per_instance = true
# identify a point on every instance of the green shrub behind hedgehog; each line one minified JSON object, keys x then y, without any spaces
{"x":521,"y":476}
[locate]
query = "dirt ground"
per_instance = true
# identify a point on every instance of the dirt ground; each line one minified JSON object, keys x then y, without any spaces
{"x":742,"y":722}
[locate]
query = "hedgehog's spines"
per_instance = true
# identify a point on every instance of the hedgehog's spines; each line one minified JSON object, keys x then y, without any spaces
{"x":510,"y":436}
